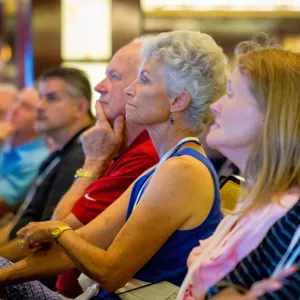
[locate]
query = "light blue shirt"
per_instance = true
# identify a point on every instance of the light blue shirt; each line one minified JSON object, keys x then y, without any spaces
{"x":18,"y":168}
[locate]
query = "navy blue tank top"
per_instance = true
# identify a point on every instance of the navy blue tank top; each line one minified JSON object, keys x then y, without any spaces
{"x":169,"y":263}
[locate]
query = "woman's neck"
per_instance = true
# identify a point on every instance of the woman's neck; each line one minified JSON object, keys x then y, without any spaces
{"x":238,"y":156}
{"x":131,"y":132}
{"x":166,"y":137}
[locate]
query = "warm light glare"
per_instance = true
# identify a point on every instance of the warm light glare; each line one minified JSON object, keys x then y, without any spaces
{"x":95,"y":73}
{"x":231,"y":5}
{"x":292,"y":42}
{"x":86,"y":29}
{"x":5,"y":53}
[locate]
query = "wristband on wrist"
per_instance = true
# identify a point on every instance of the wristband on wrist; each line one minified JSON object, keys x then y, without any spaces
{"x":85,"y":174}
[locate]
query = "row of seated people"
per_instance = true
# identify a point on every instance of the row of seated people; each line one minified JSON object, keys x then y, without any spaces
{"x":144,"y":238}
{"x":19,"y":142}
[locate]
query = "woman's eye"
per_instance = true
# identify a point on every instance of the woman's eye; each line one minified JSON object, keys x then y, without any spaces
{"x":114,"y":76}
{"x":143,"y":80}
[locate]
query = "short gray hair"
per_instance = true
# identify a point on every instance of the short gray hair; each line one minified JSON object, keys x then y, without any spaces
{"x":191,"y":61}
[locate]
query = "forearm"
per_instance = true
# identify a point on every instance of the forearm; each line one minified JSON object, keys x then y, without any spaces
{"x":4,"y":208}
{"x":5,"y":232}
{"x":40,"y":265}
{"x":12,"y":251}
{"x":73,"y":222}
{"x":91,"y":260}
{"x":65,"y":206}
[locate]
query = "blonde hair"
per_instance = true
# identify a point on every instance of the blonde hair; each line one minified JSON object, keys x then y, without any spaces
{"x":273,"y":167}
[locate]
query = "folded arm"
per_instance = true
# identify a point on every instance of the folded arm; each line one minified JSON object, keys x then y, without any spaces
{"x":111,"y":251}
{"x":158,"y":215}
{"x":46,"y":263}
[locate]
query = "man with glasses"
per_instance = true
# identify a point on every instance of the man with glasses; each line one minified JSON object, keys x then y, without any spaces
{"x":22,"y":150}
{"x":62,"y":113}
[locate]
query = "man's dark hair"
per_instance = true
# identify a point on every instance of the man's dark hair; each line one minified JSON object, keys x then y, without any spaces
{"x":77,"y":81}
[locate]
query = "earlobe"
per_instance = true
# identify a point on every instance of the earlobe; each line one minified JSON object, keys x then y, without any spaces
{"x":181,"y":102}
{"x":83,"y":107}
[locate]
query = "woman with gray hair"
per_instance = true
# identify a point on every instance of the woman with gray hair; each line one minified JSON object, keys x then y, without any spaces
{"x":152,"y":227}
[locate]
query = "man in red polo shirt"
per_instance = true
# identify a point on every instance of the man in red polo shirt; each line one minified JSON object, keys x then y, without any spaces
{"x":102,"y":180}
{"x":116,"y":153}
{"x":135,"y":154}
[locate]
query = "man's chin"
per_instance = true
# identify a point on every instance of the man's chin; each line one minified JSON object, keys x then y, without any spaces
{"x":41,"y":129}
{"x":110,"y":118}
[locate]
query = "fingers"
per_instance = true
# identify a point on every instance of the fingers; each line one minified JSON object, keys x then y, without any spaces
{"x":33,"y":241}
{"x":119,"y":124}
{"x":269,"y":285}
{"x":265,"y":286}
{"x":100,"y":112}
{"x":27,"y":243}
{"x":23,"y":235}
{"x":22,"y":232}
{"x":282,"y":274}
{"x":32,"y":236}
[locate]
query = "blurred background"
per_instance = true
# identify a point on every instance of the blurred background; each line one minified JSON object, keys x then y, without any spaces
{"x":38,"y":34}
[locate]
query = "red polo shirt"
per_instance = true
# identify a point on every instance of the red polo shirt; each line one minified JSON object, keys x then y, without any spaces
{"x":138,"y":157}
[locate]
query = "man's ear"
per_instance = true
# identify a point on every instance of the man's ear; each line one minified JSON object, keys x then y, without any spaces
{"x":83,"y":106}
{"x":181,"y":102}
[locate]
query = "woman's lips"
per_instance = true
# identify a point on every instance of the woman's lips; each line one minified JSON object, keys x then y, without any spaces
{"x":215,"y":125}
{"x":130,"y":104}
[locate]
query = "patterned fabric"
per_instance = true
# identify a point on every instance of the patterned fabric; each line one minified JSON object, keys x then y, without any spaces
{"x":261,"y":262}
{"x":32,"y":290}
{"x":232,"y":241}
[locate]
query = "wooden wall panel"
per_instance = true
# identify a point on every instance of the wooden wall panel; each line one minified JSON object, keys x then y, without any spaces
{"x":1,"y":23}
{"x":46,"y":24}
{"x":126,"y":22}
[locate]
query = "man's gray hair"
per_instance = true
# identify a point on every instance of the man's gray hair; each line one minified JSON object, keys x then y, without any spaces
{"x":191,"y":61}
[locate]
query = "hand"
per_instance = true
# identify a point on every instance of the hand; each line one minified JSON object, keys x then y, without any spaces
{"x":6,"y":129}
{"x":260,"y":288}
{"x":102,"y":142}
{"x":37,"y":234}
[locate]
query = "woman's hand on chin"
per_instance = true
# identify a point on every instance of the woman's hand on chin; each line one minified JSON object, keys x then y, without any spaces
{"x":37,"y":235}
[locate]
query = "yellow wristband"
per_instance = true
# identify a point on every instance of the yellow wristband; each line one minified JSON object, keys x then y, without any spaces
{"x":86,"y":174}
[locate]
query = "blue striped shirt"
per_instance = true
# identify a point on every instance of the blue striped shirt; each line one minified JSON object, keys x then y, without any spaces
{"x":261,"y":262}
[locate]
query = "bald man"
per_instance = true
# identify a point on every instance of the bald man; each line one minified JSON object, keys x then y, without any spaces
{"x":22,"y":150}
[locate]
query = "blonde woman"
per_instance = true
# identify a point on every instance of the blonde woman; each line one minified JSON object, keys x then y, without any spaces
{"x":257,"y":126}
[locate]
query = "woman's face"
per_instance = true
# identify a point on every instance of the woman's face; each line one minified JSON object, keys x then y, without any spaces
{"x":239,"y":121}
{"x":148,"y":101}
